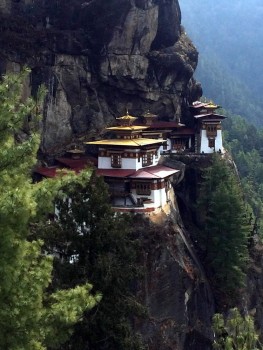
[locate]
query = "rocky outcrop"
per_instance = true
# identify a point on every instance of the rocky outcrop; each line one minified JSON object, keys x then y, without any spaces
{"x":97,"y":59}
{"x":175,"y":290}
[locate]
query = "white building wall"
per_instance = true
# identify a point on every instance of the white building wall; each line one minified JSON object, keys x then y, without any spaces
{"x":104,"y":163}
{"x":130,"y":163}
{"x":219,"y":141}
{"x":169,"y":144}
{"x":204,"y":143}
{"x":150,"y":197}
{"x":126,"y":163}
{"x":168,"y":148}
{"x":156,"y":158}
{"x":158,"y":198}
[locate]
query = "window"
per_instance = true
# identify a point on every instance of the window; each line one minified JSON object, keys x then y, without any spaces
{"x":178,"y":144}
{"x":116,"y":160}
{"x":143,"y":188}
{"x":147,"y":159}
{"x":211,"y":130}
{"x":211,"y":143}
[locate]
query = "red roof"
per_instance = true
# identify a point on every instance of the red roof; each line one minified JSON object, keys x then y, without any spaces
{"x":115,"y":172}
{"x":47,"y":172}
{"x":154,"y":172}
{"x":183,"y":131}
{"x":77,"y":164}
{"x":151,"y":172}
{"x":72,"y":164}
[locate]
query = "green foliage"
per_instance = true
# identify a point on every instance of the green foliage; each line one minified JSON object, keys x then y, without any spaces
{"x":235,"y":332}
{"x":30,"y":318}
{"x":225,"y":228}
{"x":95,"y":244}
{"x":245,"y":143}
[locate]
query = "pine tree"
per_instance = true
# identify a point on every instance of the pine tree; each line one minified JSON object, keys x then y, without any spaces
{"x":235,"y":332}
{"x":225,"y":227}
{"x":30,"y":318}
{"x":99,"y":248}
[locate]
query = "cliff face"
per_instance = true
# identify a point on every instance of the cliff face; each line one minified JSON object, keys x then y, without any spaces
{"x":175,"y":290}
{"x":97,"y":59}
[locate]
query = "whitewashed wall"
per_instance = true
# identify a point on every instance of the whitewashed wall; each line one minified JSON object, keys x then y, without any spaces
{"x":126,"y":163}
{"x":204,"y":143}
{"x":158,"y":197}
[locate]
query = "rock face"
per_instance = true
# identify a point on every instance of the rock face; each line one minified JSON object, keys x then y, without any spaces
{"x":97,"y":59}
{"x":175,"y":289}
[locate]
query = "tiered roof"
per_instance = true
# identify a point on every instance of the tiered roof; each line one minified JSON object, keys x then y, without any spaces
{"x":126,"y":120}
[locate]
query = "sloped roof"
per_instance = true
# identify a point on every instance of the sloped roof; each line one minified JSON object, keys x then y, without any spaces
{"x":129,"y":142}
{"x":151,"y":172}
{"x":209,"y":116}
{"x":199,"y":104}
{"x":183,"y":131}
{"x":127,"y":117}
{"x":66,"y":163}
{"x":115,"y":172}
{"x":163,"y":124}
{"x":154,"y":172}
{"x":127,"y":128}
{"x":49,"y":172}
{"x":79,"y":163}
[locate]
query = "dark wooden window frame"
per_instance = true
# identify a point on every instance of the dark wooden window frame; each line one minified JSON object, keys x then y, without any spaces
{"x":116,"y":160}
{"x":147,"y":159}
{"x":143,"y":188}
{"x":211,"y":143}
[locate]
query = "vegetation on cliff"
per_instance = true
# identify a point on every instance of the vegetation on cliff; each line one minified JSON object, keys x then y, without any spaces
{"x":245,"y":142}
{"x":235,"y":332}
{"x":95,"y":244}
{"x":225,"y":229}
{"x":30,"y":317}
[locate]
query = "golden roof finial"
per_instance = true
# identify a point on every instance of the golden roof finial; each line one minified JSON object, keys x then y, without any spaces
{"x":127,"y":119}
{"x":149,"y":117}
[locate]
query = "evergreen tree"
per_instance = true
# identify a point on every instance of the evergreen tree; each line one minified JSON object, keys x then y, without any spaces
{"x":235,"y":332}
{"x":225,"y":227}
{"x":96,"y":244}
{"x":30,"y":318}
{"x":245,"y":143}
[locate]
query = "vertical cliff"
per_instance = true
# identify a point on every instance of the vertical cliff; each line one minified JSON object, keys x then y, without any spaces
{"x":175,"y":290}
{"x":97,"y":59}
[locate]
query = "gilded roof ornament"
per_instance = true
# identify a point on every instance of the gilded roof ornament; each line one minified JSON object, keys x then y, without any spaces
{"x":126,"y":120}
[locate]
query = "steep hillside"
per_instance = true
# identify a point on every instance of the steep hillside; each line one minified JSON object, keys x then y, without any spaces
{"x":228,"y":36}
{"x":99,"y":59}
